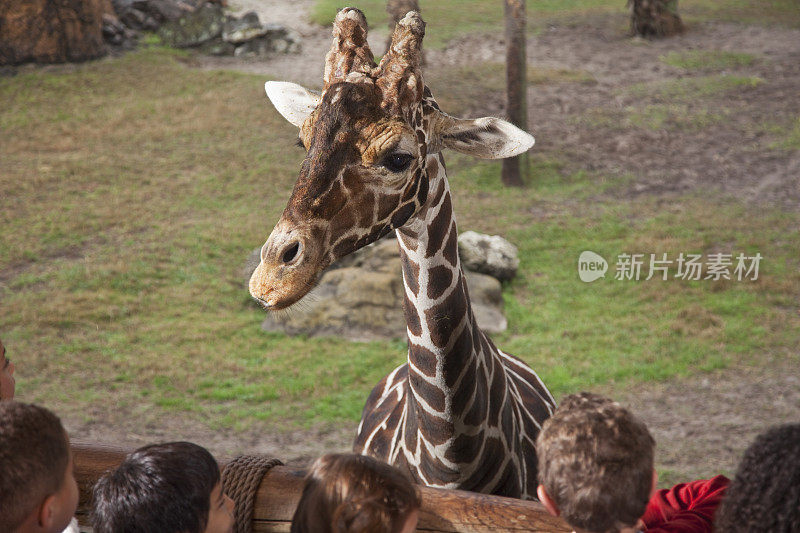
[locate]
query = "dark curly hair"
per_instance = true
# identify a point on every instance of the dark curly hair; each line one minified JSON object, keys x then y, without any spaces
{"x":349,"y":493}
{"x":765,"y":495}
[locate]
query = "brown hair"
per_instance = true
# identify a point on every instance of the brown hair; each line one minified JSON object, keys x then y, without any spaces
{"x":348,"y":493}
{"x":596,"y":463}
{"x":34,"y":455}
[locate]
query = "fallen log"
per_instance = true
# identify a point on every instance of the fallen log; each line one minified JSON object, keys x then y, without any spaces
{"x":445,"y":511}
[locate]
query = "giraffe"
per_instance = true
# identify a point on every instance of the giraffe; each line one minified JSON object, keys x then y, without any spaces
{"x":460,"y":413}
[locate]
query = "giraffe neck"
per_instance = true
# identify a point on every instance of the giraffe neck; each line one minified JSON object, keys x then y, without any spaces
{"x":461,"y":413}
{"x":442,"y":333}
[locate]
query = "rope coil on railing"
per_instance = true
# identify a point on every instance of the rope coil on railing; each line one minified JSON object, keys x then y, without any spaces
{"x":240,"y":481}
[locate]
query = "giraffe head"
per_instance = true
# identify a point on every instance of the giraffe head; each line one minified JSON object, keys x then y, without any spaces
{"x":367,"y":136}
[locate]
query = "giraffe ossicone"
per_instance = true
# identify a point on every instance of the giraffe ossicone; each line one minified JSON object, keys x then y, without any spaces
{"x":460,"y":413}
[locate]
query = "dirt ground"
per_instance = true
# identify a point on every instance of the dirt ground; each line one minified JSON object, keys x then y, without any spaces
{"x":702,"y":423}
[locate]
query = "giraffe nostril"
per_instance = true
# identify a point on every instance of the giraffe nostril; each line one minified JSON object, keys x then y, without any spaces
{"x":291,"y":252}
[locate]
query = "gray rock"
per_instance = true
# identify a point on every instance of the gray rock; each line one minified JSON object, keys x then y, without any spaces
{"x":113,"y":30}
{"x":486,"y":295}
{"x":239,"y":30}
{"x":360,"y":298}
{"x":380,"y":255}
{"x":163,"y":10}
{"x":120,"y":6}
{"x":254,"y":47}
{"x":489,"y":254}
{"x":217,"y":47}
{"x":133,"y":18}
{"x":350,"y":302}
{"x":195,"y":28}
{"x":273,"y":39}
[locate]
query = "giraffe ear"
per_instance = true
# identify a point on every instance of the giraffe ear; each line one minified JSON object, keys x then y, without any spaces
{"x":292,"y":101}
{"x":487,"y":137}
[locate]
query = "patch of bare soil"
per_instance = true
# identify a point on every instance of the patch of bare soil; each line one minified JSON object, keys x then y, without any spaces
{"x":732,"y":156}
{"x":130,"y":430}
{"x":701,"y":423}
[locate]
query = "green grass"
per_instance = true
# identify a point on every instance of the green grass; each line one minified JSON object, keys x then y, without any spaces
{"x":769,"y":13}
{"x":708,"y":59}
{"x":691,"y":88}
{"x":692,"y":103}
{"x":134,"y":189}
{"x":655,"y":117}
{"x":784,"y":136}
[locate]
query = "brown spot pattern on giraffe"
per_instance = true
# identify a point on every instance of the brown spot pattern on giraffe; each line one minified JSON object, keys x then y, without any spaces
{"x":488,"y":463}
{"x":440,"y":279}
{"x":455,"y":358}
{"x":477,"y":411}
{"x":451,"y":248}
{"x":412,"y":317}
{"x":443,"y":318}
{"x":432,"y":395}
{"x":466,"y":390}
{"x":433,"y":468}
{"x":410,"y":273}
{"x":437,"y":231}
{"x":425,"y":360}
{"x":464,"y":446}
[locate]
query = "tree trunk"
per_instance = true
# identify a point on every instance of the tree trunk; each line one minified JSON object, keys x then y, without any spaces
{"x":51,"y":31}
{"x":655,"y":18}
{"x":516,"y":168}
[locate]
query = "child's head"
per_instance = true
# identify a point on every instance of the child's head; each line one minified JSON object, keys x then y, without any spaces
{"x":765,"y":494}
{"x":170,"y":488}
{"x":348,"y":493}
{"x":38,"y":491}
{"x":595,"y":464}
{"x":7,"y":383}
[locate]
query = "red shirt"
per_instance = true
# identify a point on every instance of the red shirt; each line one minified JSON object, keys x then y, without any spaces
{"x":685,"y":508}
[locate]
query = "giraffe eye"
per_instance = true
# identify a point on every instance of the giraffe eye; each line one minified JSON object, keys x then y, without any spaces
{"x":397,"y":162}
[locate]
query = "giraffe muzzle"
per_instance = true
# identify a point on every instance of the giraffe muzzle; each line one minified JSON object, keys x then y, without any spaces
{"x":286,"y":272}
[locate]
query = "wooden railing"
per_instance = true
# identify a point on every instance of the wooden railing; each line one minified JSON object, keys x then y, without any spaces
{"x":447,"y":511}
